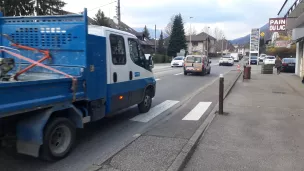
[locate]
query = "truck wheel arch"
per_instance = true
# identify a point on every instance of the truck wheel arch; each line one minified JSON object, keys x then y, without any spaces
{"x":151,"y":88}
{"x":30,"y":130}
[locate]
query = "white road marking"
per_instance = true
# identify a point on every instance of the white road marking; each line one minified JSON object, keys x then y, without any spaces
{"x":157,"y":79}
{"x":155,"y":111}
{"x":178,"y":73}
{"x":136,"y":135}
{"x":197,"y":112}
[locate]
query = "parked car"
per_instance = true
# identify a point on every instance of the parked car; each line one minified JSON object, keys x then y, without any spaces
{"x":197,"y":64}
{"x":262,"y":57}
{"x":288,"y":64}
{"x":253,"y":60}
{"x":226,"y":60}
{"x":178,"y":61}
{"x":269,"y":60}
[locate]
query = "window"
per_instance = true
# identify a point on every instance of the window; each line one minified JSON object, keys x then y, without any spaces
{"x":137,"y":56}
{"x":134,"y":53}
{"x":289,"y":60}
{"x":118,"y":50}
{"x":178,"y":58}
{"x":194,"y":43}
{"x":205,"y":60}
{"x":194,"y":59}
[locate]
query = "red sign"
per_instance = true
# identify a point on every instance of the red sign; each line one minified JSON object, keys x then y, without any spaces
{"x":277,"y":24}
{"x":282,"y":43}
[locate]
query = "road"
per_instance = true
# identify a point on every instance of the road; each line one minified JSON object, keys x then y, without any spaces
{"x":100,"y":140}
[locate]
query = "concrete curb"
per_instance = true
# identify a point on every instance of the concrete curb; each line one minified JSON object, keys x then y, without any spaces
{"x":187,"y":151}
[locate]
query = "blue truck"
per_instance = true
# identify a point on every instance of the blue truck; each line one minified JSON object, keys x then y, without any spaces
{"x":58,"y":73}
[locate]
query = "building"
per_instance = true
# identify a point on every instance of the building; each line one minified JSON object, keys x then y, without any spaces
{"x":293,"y":11}
{"x":199,"y":44}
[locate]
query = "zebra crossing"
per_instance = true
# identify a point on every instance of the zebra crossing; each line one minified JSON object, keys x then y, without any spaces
{"x":194,"y":115}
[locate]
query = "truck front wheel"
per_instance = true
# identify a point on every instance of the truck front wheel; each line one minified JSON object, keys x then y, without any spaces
{"x":59,"y":139}
{"x":145,"y":105}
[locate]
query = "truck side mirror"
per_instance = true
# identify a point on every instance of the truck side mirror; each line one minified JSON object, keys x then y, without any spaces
{"x":151,"y":63}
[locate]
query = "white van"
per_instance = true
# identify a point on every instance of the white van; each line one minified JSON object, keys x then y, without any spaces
{"x":235,"y":56}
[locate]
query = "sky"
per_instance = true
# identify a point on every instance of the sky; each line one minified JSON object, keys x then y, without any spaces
{"x":234,"y":17}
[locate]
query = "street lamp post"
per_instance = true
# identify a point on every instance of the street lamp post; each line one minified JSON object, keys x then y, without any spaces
{"x":190,"y":44}
{"x":208,"y":41}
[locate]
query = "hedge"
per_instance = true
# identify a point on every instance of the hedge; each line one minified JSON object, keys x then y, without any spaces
{"x":158,"y":58}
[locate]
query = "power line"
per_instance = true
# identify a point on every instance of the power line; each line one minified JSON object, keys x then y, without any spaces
{"x":103,"y":5}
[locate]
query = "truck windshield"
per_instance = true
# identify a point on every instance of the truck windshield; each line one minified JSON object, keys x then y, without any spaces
{"x":193,"y":59}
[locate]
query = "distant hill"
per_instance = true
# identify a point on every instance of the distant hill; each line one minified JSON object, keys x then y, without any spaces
{"x":151,"y":31}
{"x":246,"y":39}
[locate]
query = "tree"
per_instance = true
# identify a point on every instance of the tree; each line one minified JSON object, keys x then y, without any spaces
{"x":100,"y":19}
{"x":168,"y":28}
{"x":218,"y":34}
{"x":146,"y":32}
{"x":161,"y":48}
{"x":17,"y":7}
{"x":50,"y":7}
{"x":28,"y":7}
{"x":177,"y":39}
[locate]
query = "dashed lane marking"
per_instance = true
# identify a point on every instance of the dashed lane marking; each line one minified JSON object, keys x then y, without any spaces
{"x":178,"y":73}
{"x":155,"y":111}
{"x":197,"y":112}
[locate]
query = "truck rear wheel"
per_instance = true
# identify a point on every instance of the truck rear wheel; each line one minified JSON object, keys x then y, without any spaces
{"x":59,"y":139}
{"x":145,"y":105}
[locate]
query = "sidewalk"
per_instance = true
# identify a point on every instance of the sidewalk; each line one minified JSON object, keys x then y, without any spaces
{"x":157,"y":147}
{"x":263,"y":131}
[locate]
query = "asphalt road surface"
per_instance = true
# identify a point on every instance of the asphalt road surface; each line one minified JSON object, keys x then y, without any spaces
{"x":102,"y":139}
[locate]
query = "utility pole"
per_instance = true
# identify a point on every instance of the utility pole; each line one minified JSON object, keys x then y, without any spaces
{"x":118,"y":13}
{"x":208,"y":41}
{"x":222,"y":45}
{"x":36,"y":8}
{"x":155,"y":39}
{"x":190,"y":38}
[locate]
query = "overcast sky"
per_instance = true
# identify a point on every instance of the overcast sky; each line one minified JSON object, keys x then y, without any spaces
{"x":234,"y":17}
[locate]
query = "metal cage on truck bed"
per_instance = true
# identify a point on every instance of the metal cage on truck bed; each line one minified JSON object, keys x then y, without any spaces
{"x":65,"y":38}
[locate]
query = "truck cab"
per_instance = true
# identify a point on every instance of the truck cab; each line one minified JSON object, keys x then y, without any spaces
{"x":58,"y":73}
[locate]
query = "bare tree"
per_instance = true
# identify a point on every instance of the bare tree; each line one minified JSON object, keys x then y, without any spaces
{"x":206,"y":30}
{"x":168,"y":28}
{"x":191,"y":31}
{"x":218,"y":34}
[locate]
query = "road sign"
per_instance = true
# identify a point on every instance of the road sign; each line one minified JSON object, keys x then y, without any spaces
{"x":254,"y":40}
{"x":262,"y":34}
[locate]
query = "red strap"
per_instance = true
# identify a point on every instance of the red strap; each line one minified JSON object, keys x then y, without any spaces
{"x":36,"y":63}
{"x":74,"y":80}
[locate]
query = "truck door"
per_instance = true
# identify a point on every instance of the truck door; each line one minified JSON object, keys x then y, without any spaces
{"x":118,"y":72}
{"x":140,"y":71}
